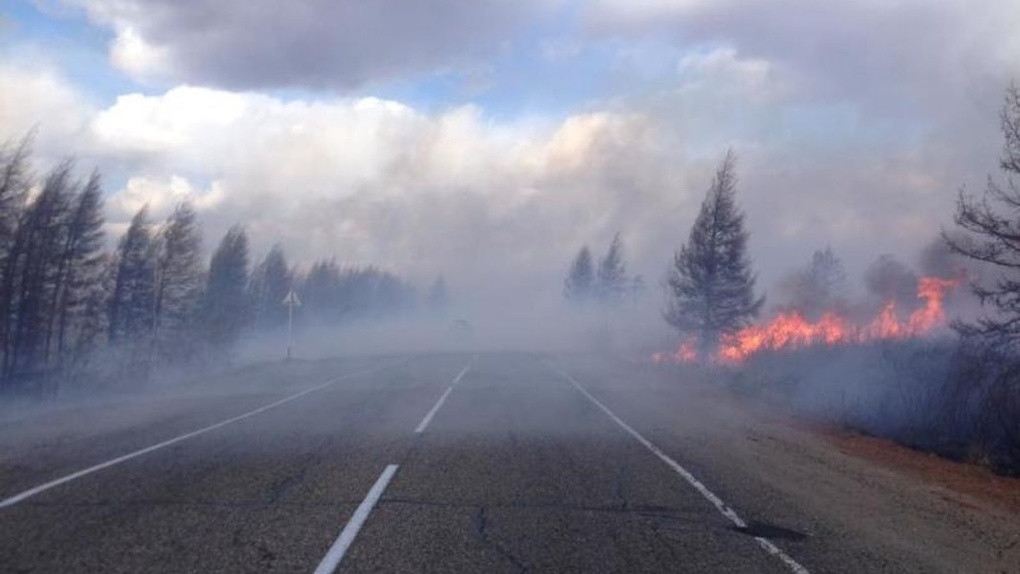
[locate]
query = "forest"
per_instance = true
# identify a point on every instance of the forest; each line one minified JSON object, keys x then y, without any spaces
{"x":75,"y":313}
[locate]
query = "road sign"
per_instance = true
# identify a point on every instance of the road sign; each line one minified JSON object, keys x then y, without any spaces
{"x":291,"y":300}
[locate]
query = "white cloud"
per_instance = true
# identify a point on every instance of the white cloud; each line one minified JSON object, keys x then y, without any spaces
{"x":39,"y":99}
{"x":132,"y":54}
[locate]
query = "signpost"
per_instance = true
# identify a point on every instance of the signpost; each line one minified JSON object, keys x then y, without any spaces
{"x":291,"y":301}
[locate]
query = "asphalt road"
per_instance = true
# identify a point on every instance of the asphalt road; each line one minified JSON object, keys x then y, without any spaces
{"x":461,"y":463}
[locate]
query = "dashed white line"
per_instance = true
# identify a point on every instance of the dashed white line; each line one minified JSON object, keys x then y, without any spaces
{"x":439,"y":404}
{"x":331,"y":561}
{"x":103,"y":465}
{"x":721,"y":506}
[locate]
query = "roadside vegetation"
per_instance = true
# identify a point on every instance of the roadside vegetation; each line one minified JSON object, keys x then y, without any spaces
{"x":954,"y":392}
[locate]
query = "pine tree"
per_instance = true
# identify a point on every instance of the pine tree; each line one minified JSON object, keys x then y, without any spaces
{"x":33,"y":274}
{"x":711,"y":285}
{"x":15,"y":181}
{"x":579,"y":285}
{"x":224,"y":310}
{"x":81,"y":266}
{"x":271,"y":281}
{"x":178,"y":283}
{"x":131,"y":303}
{"x":612,"y":278}
{"x":321,"y":290}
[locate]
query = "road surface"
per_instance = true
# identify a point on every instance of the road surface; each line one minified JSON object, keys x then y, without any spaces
{"x":490,"y":462}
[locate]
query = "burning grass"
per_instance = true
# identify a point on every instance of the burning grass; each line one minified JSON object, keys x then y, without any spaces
{"x":790,"y":330}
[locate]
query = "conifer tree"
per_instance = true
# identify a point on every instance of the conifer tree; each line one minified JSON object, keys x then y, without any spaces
{"x":271,"y":281}
{"x":579,"y":284}
{"x":131,"y":302}
{"x":81,"y":265}
{"x":177,"y":291}
{"x":611,"y":280}
{"x":225,"y":309}
{"x":32,"y":274}
{"x":710,"y":284}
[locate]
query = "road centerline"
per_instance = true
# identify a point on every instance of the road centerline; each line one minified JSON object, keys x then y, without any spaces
{"x":336,"y":552}
{"x":721,"y":506}
{"x":442,"y":399}
{"x":20,"y":497}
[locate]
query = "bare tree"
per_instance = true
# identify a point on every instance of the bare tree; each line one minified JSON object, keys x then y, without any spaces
{"x":991,"y":234}
{"x":710,"y":284}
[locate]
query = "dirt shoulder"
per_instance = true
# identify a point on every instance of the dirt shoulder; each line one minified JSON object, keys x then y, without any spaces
{"x":958,"y":478}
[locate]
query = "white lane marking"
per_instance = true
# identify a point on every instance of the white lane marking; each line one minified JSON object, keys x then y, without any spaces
{"x":683,"y":472}
{"x":331,"y":561}
{"x":462,"y":373}
{"x":439,"y":404}
{"x":428,"y":417}
{"x":76,"y":475}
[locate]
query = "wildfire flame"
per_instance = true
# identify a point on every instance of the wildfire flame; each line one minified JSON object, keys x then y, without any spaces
{"x":791,"y":330}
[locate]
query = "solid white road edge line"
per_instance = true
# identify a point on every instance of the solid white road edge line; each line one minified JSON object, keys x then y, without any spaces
{"x":726,"y":511}
{"x":76,"y":475}
{"x":439,"y":404}
{"x":331,"y":561}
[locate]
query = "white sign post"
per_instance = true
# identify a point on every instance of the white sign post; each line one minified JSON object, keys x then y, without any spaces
{"x":291,"y":301}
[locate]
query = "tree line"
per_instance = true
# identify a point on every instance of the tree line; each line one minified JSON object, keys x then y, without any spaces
{"x":710,"y":285}
{"x":959,"y":396}
{"x":605,"y":284}
{"x":70,"y":305}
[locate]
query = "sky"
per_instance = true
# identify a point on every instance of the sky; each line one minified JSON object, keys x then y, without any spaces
{"x":489,"y":140}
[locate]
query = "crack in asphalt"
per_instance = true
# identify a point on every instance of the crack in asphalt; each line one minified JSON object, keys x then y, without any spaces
{"x":281,"y":487}
{"x":481,"y":528}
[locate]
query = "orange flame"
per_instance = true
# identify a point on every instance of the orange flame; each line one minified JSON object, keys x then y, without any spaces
{"x":791,"y":330}
{"x":685,"y":353}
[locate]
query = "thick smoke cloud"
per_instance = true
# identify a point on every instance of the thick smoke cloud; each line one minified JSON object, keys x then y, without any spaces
{"x":849,"y":132}
{"x":897,"y":57}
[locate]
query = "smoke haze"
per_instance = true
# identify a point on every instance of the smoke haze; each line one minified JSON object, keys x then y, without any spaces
{"x":444,"y":152}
